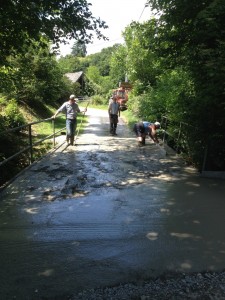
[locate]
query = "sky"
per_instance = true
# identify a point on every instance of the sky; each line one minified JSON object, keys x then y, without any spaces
{"x":117,"y":14}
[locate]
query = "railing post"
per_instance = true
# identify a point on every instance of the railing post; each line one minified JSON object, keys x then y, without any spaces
{"x":53,"y":126}
{"x":164,"y":133}
{"x":178,"y":138}
{"x":205,"y":158}
{"x":30,"y":143}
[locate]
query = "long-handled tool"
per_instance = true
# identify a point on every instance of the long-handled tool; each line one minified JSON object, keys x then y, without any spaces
{"x":81,"y":122}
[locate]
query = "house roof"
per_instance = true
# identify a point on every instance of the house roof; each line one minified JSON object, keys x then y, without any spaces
{"x":74,"y":77}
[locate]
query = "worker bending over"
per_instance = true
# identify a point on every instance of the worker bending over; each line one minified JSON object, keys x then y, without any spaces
{"x":143,"y":129}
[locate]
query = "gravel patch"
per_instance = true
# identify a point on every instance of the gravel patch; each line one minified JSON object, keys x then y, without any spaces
{"x":207,"y":286}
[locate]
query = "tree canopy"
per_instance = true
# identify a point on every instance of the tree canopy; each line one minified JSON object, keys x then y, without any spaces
{"x":22,"y":21}
{"x":79,"y":49}
{"x":194,"y":34}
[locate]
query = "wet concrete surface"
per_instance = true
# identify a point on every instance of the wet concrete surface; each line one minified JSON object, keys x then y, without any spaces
{"x":106,"y":212}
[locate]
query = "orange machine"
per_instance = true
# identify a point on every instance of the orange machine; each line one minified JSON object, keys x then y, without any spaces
{"x":121,"y":94}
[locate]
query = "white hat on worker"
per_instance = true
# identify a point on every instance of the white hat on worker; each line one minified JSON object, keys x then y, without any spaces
{"x":72,"y":96}
{"x":157,"y":124}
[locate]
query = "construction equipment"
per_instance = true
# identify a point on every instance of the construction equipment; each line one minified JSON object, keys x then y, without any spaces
{"x":121,"y":94}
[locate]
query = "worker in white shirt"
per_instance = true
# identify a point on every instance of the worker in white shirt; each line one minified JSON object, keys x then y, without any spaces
{"x":114,"y":113}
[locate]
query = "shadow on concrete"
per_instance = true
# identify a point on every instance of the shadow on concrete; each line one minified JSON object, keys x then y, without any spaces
{"x":106,"y":212}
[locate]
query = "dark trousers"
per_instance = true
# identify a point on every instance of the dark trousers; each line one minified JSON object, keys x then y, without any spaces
{"x":140,"y":132}
{"x":139,"y":129}
{"x":113,"y":123}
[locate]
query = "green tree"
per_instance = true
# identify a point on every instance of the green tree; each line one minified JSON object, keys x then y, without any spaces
{"x":70,"y":64}
{"x":118,"y":65}
{"x":102,"y":59}
{"x":22,"y":21}
{"x":94,"y":74}
{"x":142,"y":62}
{"x":97,"y":68}
{"x":11,"y":115}
{"x":35,"y":76}
{"x":94,"y":78}
{"x":194,"y":33}
{"x":79,"y":49}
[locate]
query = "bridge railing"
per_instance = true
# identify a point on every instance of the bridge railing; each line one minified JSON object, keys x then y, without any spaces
{"x":172,"y":133}
{"x":31,"y":139}
{"x":213,"y":162}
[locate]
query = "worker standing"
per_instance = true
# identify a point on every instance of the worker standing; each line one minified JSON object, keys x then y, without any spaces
{"x":114,"y":113}
{"x":70,"y":108}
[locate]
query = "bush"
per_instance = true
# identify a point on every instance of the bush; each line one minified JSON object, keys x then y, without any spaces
{"x":12,"y":115}
{"x":98,"y":100}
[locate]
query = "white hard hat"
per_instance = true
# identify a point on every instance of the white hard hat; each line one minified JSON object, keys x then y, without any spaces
{"x":72,"y":96}
{"x":157,"y":124}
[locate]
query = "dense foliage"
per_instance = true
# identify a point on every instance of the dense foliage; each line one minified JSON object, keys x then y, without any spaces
{"x":22,"y":21}
{"x":194,"y":36}
{"x":176,"y":63}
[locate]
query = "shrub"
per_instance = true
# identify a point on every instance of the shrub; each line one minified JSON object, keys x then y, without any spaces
{"x":12,"y":115}
{"x":98,"y":100}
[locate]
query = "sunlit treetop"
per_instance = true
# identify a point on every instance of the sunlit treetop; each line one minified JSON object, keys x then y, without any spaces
{"x":58,"y":20}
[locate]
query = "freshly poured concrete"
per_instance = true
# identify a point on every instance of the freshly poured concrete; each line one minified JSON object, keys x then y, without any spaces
{"x":105,"y":212}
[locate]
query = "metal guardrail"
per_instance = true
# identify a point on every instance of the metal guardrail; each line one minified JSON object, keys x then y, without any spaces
{"x":30,"y":139}
{"x":176,"y":137}
{"x":212,"y":163}
{"x":173,"y":136}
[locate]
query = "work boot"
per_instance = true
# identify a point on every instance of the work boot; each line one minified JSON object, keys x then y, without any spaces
{"x":71,"y":141}
{"x":114,"y":131}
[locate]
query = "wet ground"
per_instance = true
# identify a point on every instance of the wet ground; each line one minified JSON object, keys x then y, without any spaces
{"x":106,"y":212}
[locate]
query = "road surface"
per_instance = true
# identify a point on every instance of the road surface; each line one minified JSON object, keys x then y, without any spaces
{"x":106,"y":212}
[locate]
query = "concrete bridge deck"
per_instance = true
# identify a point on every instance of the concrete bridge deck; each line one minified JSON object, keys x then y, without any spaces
{"x":106,"y":212}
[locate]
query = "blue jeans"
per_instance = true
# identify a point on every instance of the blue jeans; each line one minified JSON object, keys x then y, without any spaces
{"x":71,"y":125}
